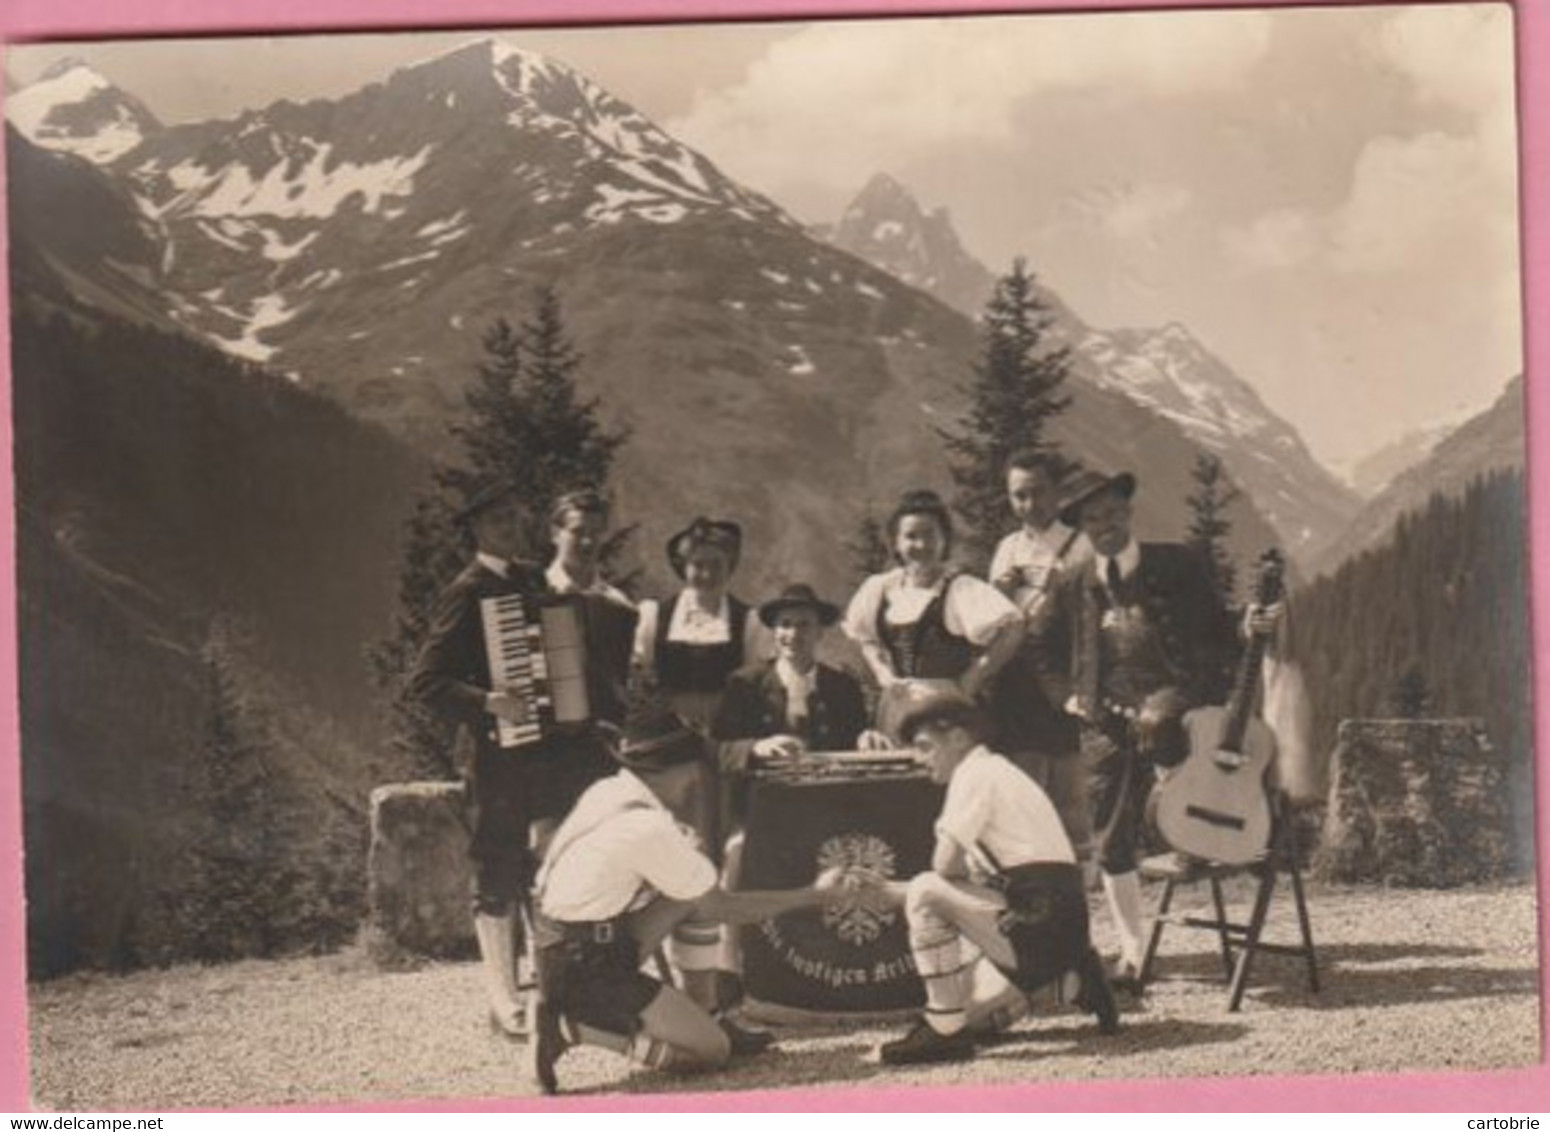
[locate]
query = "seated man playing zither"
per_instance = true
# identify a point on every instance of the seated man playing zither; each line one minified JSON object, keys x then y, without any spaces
{"x":1003,"y":874}
{"x":620,"y":873}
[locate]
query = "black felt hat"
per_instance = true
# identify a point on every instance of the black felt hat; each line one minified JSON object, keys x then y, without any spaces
{"x":1085,"y":485}
{"x":799,"y":595}
{"x":723,"y":534}
{"x":654,"y":738}
{"x":936,"y":702}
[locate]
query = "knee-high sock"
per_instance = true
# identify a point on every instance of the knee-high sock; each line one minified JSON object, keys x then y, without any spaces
{"x":693,"y":950}
{"x":497,"y":936}
{"x":994,"y":1004}
{"x":658,"y":1054}
{"x":939,"y":958}
{"x":730,"y":955}
{"x":1124,"y":893}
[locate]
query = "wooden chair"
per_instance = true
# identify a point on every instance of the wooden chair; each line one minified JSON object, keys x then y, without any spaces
{"x":1240,"y":942}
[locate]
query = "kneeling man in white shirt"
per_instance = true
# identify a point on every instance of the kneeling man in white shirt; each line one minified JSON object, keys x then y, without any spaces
{"x":1003,"y":876}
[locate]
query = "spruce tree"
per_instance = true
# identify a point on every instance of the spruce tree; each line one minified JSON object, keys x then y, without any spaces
{"x":523,"y":421}
{"x":1014,"y":394}
{"x":1410,"y":698}
{"x":1209,"y":526}
{"x":868,"y":548}
{"x":234,"y":848}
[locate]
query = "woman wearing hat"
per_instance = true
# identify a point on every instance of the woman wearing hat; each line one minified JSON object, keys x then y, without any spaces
{"x":687,"y":646}
{"x":925,"y":620}
{"x":690,"y":643}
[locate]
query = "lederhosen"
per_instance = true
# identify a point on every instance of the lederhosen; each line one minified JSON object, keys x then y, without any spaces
{"x":589,"y":971}
{"x":1132,"y":664}
{"x":1045,"y":920}
{"x":925,"y":649}
{"x":702,"y":669}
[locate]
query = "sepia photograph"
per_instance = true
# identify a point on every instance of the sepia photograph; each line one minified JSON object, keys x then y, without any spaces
{"x":746,"y":557}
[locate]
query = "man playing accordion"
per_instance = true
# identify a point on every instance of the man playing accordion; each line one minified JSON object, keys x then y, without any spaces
{"x":516,"y":796}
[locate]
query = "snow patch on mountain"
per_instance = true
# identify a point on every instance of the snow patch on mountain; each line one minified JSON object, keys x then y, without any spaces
{"x":314,"y":191}
{"x":74,"y":109}
{"x":265,"y":312}
{"x":276,"y":249}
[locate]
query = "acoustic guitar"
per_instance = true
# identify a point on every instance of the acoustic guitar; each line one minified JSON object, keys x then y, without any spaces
{"x":1214,"y":805}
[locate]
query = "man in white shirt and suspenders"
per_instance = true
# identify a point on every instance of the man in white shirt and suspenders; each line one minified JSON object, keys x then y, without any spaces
{"x":620,"y":873}
{"x":1003,"y":875}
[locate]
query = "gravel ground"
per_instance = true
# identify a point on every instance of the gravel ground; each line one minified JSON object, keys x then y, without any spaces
{"x":1412,"y":981}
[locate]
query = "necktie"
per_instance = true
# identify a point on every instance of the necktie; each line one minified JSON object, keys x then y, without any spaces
{"x":1111,"y":576}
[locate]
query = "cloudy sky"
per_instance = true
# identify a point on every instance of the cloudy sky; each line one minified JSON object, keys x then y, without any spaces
{"x":1326,"y":197}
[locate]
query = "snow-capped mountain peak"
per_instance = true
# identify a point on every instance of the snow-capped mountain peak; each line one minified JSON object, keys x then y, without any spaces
{"x":74,"y":109}
{"x":887,"y":226}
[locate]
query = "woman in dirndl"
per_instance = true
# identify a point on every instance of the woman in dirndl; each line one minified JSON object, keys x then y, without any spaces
{"x":690,"y":643}
{"x":686,"y":647}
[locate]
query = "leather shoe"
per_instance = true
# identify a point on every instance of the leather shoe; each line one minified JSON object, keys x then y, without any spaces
{"x":746,"y":1043}
{"x":924,"y":1045}
{"x":1095,"y":997}
{"x":1125,"y":977}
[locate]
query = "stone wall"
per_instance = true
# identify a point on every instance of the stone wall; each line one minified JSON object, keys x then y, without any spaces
{"x":418,"y":871}
{"x":1415,"y":802}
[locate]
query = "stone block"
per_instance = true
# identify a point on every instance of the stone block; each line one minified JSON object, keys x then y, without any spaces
{"x":1419,"y":803}
{"x":418,"y":870}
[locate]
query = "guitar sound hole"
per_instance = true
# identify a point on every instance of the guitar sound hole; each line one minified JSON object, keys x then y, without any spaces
{"x":1215,"y":817}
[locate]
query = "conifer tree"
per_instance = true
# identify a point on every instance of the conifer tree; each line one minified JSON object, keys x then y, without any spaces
{"x":1014,"y":394}
{"x":868,"y":548}
{"x":1209,"y":526}
{"x":1411,"y":698}
{"x":234,"y":849}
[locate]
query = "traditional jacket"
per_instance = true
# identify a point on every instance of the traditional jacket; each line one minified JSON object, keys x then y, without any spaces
{"x":1195,"y":635}
{"x":452,"y":673}
{"x":754,"y":704}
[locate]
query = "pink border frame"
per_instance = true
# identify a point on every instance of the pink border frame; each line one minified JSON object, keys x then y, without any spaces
{"x":1516,"y":1091}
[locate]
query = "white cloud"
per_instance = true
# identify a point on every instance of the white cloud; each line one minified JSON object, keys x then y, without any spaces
{"x":1409,"y":200}
{"x":839,"y":100}
{"x":1283,"y":238}
{"x":1458,"y":55}
{"x":1118,"y":212}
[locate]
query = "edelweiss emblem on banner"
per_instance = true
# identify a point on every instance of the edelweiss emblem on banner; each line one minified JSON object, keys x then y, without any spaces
{"x":860,"y":855}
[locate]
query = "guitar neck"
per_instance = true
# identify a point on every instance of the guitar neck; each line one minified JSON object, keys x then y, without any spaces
{"x":1241,"y":705}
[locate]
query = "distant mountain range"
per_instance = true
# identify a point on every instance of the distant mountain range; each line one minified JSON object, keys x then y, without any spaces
{"x":360,"y":246}
{"x":1166,"y":370}
{"x":1487,"y":442}
{"x":1375,"y":471}
{"x":237,"y":342}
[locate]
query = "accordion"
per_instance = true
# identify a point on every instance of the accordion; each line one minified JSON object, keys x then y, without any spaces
{"x":536,"y":647}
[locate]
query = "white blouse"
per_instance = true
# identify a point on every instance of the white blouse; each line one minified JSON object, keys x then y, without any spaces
{"x":692,"y":625}
{"x":973,"y":609}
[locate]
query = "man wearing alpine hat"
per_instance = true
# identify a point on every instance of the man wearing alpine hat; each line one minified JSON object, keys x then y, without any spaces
{"x":509,"y":793}
{"x":784,"y":707}
{"x":1129,"y":642}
